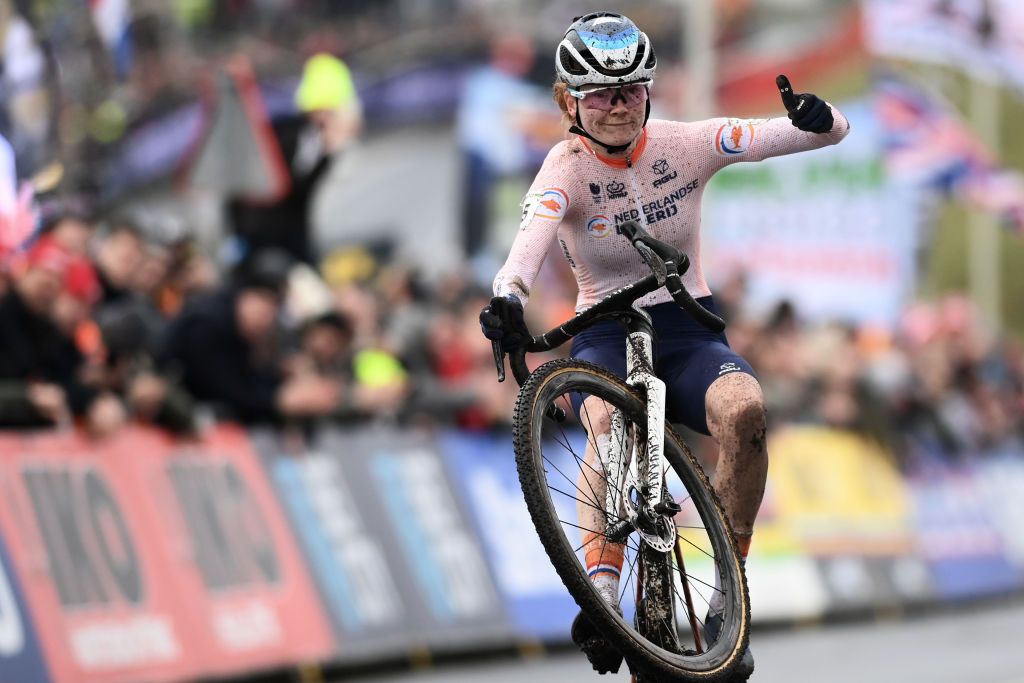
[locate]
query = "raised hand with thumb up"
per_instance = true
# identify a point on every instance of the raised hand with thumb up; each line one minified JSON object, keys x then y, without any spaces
{"x":807,"y":111}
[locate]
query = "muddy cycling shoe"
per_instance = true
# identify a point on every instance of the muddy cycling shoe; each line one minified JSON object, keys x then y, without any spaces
{"x":712,"y":627}
{"x":603,"y":656}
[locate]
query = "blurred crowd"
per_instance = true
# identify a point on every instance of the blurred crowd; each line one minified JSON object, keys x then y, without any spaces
{"x":103,"y":324}
{"x":105,"y":320}
{"x":941,"y":383}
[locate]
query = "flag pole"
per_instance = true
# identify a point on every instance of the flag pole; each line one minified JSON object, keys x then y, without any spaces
{"x":983,"y":259}
{"x":699,"y":31}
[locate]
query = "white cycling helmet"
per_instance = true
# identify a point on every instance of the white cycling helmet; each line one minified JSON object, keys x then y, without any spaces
{"x":604,"y":48}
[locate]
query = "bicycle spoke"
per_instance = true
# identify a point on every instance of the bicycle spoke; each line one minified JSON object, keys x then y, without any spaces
{"x":613,"y":416}
{"x":578,"y":460}
{"x":614,"y":517}
{"x":580,"y":547}
{"x":687,"y":575}
{"x":592,"y":531}
{"x":632,"y":573}
{"x":622,"y":450}
{"x":684,"y":538}
{"x":565,"y":476}
{"x":701,"y":595}
{"x":617,"y":494}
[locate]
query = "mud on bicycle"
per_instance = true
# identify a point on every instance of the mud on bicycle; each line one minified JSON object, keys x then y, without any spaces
{"x":612,"y":476}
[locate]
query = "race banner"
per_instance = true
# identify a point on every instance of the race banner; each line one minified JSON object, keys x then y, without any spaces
{"x":95,"y":580}
{"x":367,"y":589}
{"x":982,"y":37}
{"x":824,"y":230}
{"x":483,"y":469}
{"x":21,"y":658}
{"x":958,"y":535}
{"x":392,"y":547}
{"x":840,"y":493}
{"x":857,"y":583}
{"x":1000,"y":479}
{"x":221,"y":529}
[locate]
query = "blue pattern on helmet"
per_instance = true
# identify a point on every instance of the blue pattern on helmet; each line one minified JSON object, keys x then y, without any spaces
{"x":624,"y":38}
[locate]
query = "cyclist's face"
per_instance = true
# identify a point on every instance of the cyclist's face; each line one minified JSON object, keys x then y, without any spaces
{"x":613,"y":115}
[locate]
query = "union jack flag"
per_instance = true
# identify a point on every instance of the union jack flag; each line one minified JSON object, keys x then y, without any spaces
{"x":926,"y":142}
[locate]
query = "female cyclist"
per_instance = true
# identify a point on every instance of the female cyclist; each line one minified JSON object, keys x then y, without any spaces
{"x":620,"y":166}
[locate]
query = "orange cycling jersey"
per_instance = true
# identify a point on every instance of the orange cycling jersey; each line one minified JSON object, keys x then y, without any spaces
{"x":581,"y":197}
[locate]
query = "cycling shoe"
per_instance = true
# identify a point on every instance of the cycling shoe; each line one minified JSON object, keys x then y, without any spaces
{"x":712,"y":627}
{"x":603,"y":656}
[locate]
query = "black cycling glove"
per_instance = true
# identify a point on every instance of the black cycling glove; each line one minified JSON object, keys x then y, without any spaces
{"x":807,"y":111}
{"x":502,"y":320}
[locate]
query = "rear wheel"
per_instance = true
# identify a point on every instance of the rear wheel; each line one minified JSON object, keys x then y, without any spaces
{"x":669,"y":561}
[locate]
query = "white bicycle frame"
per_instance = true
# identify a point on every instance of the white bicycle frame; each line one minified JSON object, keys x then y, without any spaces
{"x":623,"y":467}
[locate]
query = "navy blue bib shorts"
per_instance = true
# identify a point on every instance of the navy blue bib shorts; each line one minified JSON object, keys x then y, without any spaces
{"x":688,"y":357}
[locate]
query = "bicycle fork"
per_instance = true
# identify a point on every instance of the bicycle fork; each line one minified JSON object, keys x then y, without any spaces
{"x":649,"y":510}
{"x":639,"y":355}
{"x":633,"y":470}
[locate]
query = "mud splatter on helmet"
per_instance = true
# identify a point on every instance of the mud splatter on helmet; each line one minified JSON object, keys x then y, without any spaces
{"x":604,"y":48}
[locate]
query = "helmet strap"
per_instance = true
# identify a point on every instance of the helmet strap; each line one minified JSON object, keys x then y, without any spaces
{"x":578,"y":129}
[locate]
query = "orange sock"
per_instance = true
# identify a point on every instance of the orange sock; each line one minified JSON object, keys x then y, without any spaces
{"x":743,"y":542}
{"x":604,"y":563}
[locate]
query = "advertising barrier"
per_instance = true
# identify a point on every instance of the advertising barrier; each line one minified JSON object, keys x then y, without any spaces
{"x":483,"y":468}
{"x":393,"y":550}
{"x":223,"y":532}
{"x":842,"y":497}
{"x":96,"y":583}
{"x":138,"y":559}
{"x":965,"y":552}
{"x":141,"y":562}
{"x":20,"y":656}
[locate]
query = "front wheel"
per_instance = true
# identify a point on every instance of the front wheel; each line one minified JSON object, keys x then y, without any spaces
{"x":668,"y":564}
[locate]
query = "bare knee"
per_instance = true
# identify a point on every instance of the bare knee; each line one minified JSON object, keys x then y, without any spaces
{"x":596,"y":415}
{"x":736,"y":410}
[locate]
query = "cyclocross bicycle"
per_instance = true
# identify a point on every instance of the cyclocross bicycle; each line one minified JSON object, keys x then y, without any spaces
{"x":619,"y":471}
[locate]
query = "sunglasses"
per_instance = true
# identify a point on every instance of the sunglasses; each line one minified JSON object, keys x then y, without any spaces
{"x":605,"y":98}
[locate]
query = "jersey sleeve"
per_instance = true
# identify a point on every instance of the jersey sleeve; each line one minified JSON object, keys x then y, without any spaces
{"x":735,"y":140}
{"x":548,"y":203}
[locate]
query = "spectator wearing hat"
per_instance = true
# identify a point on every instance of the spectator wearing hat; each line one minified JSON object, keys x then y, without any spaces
{"x":329,"y":116}
{"x":224,"y":346}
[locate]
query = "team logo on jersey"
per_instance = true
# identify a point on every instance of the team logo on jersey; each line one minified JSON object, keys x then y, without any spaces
{"x":735,"y":137}
{"x":599,"y":226}
{"x":553,"y":204}
{"x":661,"y":168}
{"x":615,"y":190}
{"x":568,"y":256}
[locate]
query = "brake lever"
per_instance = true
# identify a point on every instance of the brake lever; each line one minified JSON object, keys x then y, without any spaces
{"x":499,"y":359}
